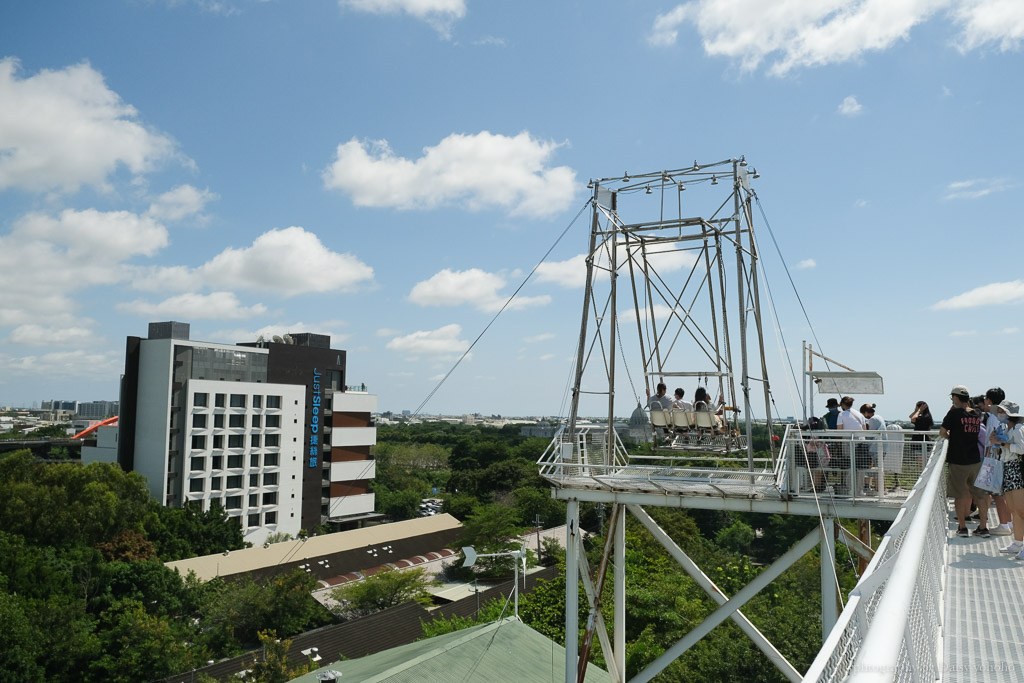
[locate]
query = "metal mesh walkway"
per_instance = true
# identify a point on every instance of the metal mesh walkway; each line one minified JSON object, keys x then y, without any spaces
{"x":983,"y":639}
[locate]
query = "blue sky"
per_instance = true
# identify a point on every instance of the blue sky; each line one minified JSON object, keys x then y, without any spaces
{"x":387,"y":172}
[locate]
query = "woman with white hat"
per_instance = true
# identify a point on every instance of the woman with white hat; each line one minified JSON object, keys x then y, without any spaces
{"x":1011,"y":443}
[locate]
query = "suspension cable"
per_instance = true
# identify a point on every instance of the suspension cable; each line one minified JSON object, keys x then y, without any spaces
{"x":504,"y":306}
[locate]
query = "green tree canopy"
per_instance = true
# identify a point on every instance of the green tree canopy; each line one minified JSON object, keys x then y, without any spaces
{"x":384,"y":589}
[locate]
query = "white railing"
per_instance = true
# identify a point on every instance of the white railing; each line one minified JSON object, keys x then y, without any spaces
{"x":860,"y":465}
{"x":890,"y":629}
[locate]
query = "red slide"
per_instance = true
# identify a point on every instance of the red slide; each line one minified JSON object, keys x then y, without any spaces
{"x":96,"y":426}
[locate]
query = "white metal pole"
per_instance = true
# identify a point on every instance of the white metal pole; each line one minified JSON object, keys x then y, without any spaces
{"x":572,"y":588}
{"x":829,"y":611}
{"x":620,"y":595}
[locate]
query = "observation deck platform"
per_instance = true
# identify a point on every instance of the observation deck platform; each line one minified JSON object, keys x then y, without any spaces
{"x":812,"y":473}
{"x":983,"y":607}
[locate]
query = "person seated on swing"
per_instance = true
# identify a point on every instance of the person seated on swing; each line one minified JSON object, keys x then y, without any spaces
{"x":660,"y":401}
{"x":702,"y":402}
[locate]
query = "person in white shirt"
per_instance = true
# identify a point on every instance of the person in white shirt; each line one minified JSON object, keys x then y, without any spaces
{"x":679,"y":403}
{"x":851,"y":419}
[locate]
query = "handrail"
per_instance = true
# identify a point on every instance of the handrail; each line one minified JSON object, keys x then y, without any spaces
{"x":890,"y":627}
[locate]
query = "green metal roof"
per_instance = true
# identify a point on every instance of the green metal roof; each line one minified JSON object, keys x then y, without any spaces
{"x":505,"y":650}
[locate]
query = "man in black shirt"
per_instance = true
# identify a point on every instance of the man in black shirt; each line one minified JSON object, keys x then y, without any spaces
{"x":960,"y":428}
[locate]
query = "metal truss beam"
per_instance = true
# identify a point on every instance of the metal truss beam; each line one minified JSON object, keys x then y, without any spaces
{"x":726,"y":610}
{"x":705,"y":582}
{"x":842,"y":508}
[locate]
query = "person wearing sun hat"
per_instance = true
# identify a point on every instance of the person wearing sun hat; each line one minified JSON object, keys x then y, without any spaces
{"x":1011,"y":449}
{"x":960,"y":428}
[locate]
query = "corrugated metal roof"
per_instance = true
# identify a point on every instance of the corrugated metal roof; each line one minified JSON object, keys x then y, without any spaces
{"x":506,"y":650}
{"x":289,"y":552}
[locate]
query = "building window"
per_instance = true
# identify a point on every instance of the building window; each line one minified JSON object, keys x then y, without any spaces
{"x":254,"y":440}
{"x":218,"y":422}
{"x":257,"y":401}
{"x":254,"y":500}
{"x":195,"y":486}
{"x":270,"y":479}
{"x":234,"y":461}
{"x":235,"y":481}
{"x":197,"y":464}
{"x":215,"y":484}
{"x":270,"y":518}
{"x":273,"y":421}
{"x":199,"y":420}
{"x":270,"y":498}
{"x":198,"y":442}
{"x":254,"y":481}
{"x":233,"y":503}
{"x":236,"y":421}
{"x":218,"y":441}
{"x":218,"y":400}
{"x":270,"y":460}
{"x":217,"y":462}
{"x":200,"y":400}
{"x":236,"y":441}
{"x":273,"y":401}
{"x":257,"y":421}
{"x":237,"y":400}
{"x":272,"y":440}
{"x":254,"y":460}
{"x":254,"y":519}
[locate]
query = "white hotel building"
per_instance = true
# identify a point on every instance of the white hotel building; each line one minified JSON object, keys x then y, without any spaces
{"x":268,"y":431}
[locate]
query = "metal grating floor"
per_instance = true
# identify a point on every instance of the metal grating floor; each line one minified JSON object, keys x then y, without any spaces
{"x":983,"y":639}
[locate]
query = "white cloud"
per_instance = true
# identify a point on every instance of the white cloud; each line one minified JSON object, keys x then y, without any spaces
{"x":235,"y":335}
{"x":571,"y":272}
{"x":387,"y":332}
{"x":491,"y":41}
{"x":63,"y":129}
{"x":215,"y":305}
{"x":1009,"y":330}
{"x":975,"y":189}
{"x":986,"y":295}
{"x":475,"y":287}
{"x":860,"y":203}
{"x":547,"y":356}
{"x":46,"y":259}
{"x":78,"y":363}
{"x":666,"y":26}
{"x":473,"y":171}
{"x":946,"y":92}
{"x":806,"y":264}
{"x":40,"y":335}
{"x":440,"y":14}
{"x":983,"y":22}
{"x":544,"y":336}
{"x":850,"y":106}
{"x":181,"y":202}
{"x":798,"y":33}
{"x":443,"y":341}
{"x":288,"y":262}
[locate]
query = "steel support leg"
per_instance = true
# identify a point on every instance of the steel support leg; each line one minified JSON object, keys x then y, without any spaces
{"x":620,"y":595}
{"x":829,"y":595}
{"x":572,"y":588}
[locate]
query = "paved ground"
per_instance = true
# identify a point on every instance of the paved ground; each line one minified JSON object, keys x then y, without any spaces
{"x":983,"y":639}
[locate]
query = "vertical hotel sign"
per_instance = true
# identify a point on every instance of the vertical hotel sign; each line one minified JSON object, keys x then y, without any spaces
{"x":313,"y":453}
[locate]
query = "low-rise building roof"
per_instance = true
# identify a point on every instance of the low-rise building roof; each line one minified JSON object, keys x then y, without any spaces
{"x":289,"y":552}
